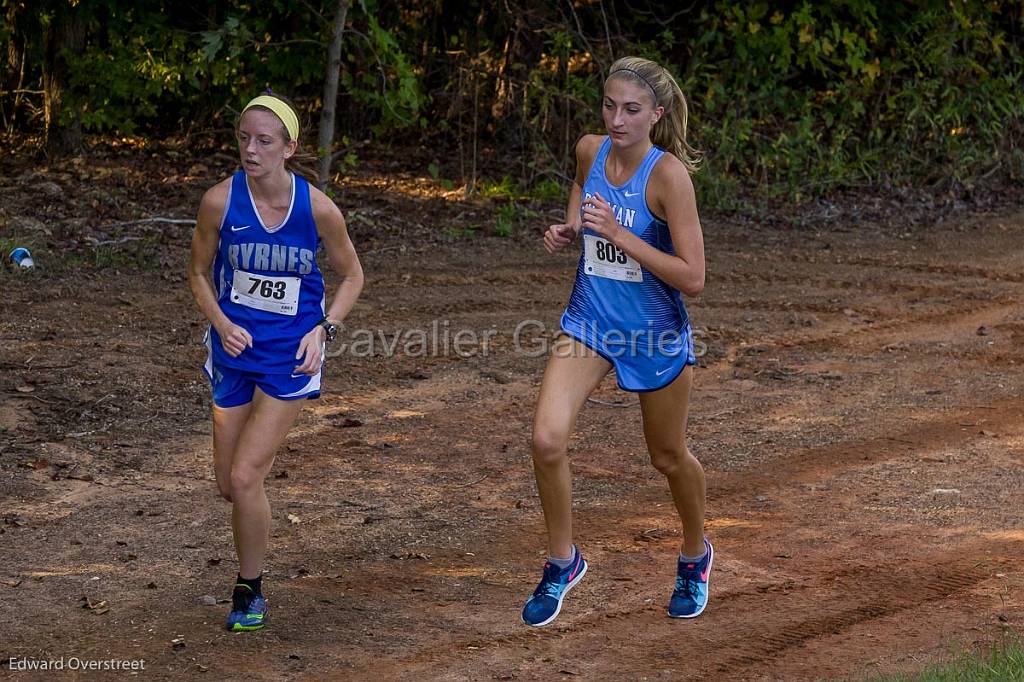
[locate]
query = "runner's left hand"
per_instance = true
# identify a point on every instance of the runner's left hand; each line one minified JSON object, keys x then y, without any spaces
{"x":599,"y":217}
{"x":311,"y":348}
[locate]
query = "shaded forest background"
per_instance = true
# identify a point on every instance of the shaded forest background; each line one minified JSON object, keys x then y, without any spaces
{"x":789,"y":100}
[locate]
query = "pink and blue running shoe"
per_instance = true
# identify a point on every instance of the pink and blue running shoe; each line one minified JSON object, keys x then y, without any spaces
{"x":546,"y":602}
{"x":691,"y":593}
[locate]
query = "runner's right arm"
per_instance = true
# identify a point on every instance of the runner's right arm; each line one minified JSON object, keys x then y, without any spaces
{"x":559,"y":236}
{"x":205,"y":241}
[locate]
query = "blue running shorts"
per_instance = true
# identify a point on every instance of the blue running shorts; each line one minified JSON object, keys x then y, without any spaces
{"x":647,"y":363}
{"x":233,"y":387}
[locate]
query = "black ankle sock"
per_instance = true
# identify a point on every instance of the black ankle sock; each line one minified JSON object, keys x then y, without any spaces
{"x":254,"y":584}
{"x":245,"y":589}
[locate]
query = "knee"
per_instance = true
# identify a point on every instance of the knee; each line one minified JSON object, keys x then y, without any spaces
{"x":549,"y":446}
{"x":669,"y":460}
{"x":244,"y":480}
{"x":224,"y":489}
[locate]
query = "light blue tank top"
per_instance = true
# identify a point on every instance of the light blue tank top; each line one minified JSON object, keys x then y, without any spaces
{"x":267,"y":280}
{"x":613,"y":296}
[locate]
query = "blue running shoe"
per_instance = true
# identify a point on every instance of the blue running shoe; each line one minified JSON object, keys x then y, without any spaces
{"x":546,"y":602}
{"x":251,"y":617}
{"x":691,"y":593}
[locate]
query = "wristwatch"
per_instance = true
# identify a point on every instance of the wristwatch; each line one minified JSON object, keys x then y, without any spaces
{"x":329,"y":327}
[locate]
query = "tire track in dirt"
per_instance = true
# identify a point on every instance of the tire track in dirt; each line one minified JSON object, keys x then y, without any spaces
{"x":723,"y":638}
{"x":739,"y":646}
{"x":950,"y":576}
{"x":858,"y":263}
{"x":739,"y":650}
{"x":944,"y":430}
{"x":959,"y":271}
{"x":921,"y":329}
{"x":828,"y":278}
{"x":498,"y":277}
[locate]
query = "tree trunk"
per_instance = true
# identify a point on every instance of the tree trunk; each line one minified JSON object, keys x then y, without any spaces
{"x":325,"y":141}
{"x":14,"y":69}
{"x":64,"y":39}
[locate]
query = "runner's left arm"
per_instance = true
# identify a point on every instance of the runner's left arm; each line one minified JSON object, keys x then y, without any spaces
{"x":669,"y":194}
{"x":330,"y":224}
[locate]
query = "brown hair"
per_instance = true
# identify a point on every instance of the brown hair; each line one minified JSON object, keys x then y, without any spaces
{"x":669,"y":132}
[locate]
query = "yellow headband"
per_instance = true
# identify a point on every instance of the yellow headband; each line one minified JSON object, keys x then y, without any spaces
{"x":281,"y":110}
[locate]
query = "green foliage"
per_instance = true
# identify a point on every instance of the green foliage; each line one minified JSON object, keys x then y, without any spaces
{"x":545,"y":189}
{"x":390,"y":86}
{"x":462,"y":231}
{"x":855,"y":93}
{"x":505,"y":220}
{"x":435,"y":173}
{"x":155,"y":65}
{"x":503,"y":188}
{"x":122,"y":85}
{"x":789,"y":101}
{"x":347,"y":162}
{"x":143,"y":254}
{"x":8,"y":244}
{"x":510,"y":217}
{"x":548,"y":189}
{"x":560,"y":98}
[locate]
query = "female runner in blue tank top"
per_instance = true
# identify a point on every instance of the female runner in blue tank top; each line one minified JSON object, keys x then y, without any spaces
{"x":254,"y":275}
{"x":633,"y":203}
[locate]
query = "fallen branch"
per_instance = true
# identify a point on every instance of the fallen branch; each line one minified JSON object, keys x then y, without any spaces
{"x":715,"y":414}
{"x":82,"y":434}
{"x":466,"y":485}
{"x":34,"y":397}
{"x":385,"y":248}
{"x":175,"y":221}
{"x":106,"y":242}
{"x":610,"y":404}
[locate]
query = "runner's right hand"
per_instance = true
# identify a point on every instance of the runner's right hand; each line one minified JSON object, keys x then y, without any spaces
{"x":234,"y":339}
{"x":558,"y":237}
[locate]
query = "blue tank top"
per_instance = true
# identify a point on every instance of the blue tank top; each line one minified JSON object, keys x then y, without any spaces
{"x":267,"y":279}
{"x":614,"y":300}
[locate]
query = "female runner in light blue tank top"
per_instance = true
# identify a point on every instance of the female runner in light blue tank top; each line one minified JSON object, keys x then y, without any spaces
{"x":633,"y":203}
{"x":257,"y":235}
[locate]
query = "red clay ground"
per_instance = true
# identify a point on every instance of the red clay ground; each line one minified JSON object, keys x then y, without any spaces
{"x":858,"y":412}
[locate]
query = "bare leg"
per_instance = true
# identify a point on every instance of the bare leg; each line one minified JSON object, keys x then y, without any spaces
{"x":228,"y":423}
{"x":269,"y":421}
{"x":665,"y":413}
{"x":572,"y":373}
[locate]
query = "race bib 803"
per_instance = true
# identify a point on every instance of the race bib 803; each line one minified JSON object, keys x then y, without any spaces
{"x":601,"y":258}
{"x":273,"y":294}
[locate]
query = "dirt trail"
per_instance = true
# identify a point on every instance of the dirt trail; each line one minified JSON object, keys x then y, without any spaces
{"x":858,"y":413}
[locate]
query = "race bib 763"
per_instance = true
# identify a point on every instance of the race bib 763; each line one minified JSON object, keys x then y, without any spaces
{"x":273,"y":294}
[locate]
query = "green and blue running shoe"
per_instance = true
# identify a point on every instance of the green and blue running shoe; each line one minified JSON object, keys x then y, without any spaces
{"x":691,"y":593}
{"x":546,"y":602}
{"x":248,"y":612}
